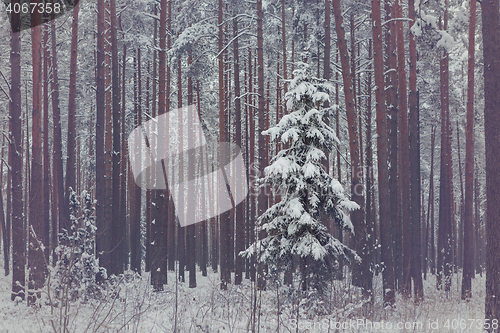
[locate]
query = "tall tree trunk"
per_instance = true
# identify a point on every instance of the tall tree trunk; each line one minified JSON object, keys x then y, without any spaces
{"x":468,"y":235}
{"x":190,"y":229}
{"x":170,"y":227}
{"x":430,"y":254}
{"x":478,"y":237}
{"x":102,"y":239}
{"x":46,"y":156}
{"x":135,"y":215}
{"x":262,"y":198}
{"x":445,"y":190}
{"x":36,"y":259}
{"x":240,"y":208}
{"x":71,"y":138}
{"x":123,"y":162}
{"x":181,"y":230}
{"x":117,"y":224}
{"x":152,"y":194}
{"x":404,"y":172}
{"x":225,"y":217}
{"x":392,"y":104}
{"x":158,"y":235}
{"x":362,"y":276}
{"x":382,"y":158}
{"x":414,"y":150}
{"x":15,"y":151}
{"x":251,"y":158}
{"x":491,"y":53}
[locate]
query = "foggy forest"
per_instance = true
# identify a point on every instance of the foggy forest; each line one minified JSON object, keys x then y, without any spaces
{"x":250,"y":166}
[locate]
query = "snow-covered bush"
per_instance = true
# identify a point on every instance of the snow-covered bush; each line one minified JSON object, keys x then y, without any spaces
{"x":75,"y":272}
{"x":308,"y":193}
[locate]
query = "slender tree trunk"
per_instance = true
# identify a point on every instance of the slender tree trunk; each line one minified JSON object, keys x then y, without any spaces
{"x":158,"y":235}
{"x":123,"y":162}
{"x":117,"y":224}
{"x":392,"y":128}
{"x":362,"y":276}
{"x":477,"y":220}
{"x":430,"y":255}
{"x":415,"y":183}
{"x":15,"y":151}
{"x":102,"y":241}
{"x":404,"y":152}
{"x":262,"y":198}
{"x":135,"y":202}
{"x":251,"y":158}
{"x":382,"y":158}
{"x":460,"y":231}
{"x":225,"y":217}
{"x":445,"y":255}
{"x":36,"y":261}
{"x":71,"y":138}
{"x":46,"y":158}
{"x":206,"y":205}
{"x":240,"y":208}
{"x":491,"y":53}
{"x":468,"y":235}
{"x":108,"y":263}
{"x":190,"y":229}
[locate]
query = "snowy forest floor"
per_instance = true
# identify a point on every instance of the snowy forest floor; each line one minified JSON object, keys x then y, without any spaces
{"x":132,"y":306}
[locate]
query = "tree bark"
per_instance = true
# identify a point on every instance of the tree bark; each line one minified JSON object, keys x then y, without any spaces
{"x":262,"y":198}
{"x":240,"y":208}
{"x":491,"y":54}
{"x":15,"y":151}
{"x":414,"y":159}
{"x":404,"y":172}
{"x":36,"y":261}
{"x":362,"y":276}
{"x":382,"y":158}
{"x":71,"y":138}
{"x":102,"y":239}
{"x":468,"y":235}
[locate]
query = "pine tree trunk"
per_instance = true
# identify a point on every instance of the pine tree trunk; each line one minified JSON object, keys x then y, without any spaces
{"x":46,"y":157}
{"x":430,"y":254}
{"x":240,"y":208}
{"x":36,"y":261}
{"x":362,"y":277}
{"x":225,"y":217}
{"x":262,"y":198}
{"x":15,"y":149}
{"x":71,"y":137}
{"x":251,"y":159}
{"x":392,"y":128}
{"x":160,"y":214}
{"x":123,"y":163}
{"x":382,"y":158}
{"x":445,"y":246}
{"x":491,"y":53}
{"x":414,"y":159}
{"x":468,"y":233}
{"x":108,"y":263}
{"x":102,"y":240}
{"x":404,"y":172}
{"x":190,"y":229}
{"x":117,"y":224}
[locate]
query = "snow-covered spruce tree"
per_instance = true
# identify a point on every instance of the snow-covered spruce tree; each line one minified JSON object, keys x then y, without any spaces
{"x":77,"y":266}
{"x":293,"y":226}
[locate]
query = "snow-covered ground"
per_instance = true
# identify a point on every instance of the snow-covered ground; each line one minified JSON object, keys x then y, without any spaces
{"x":133,"y":307}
